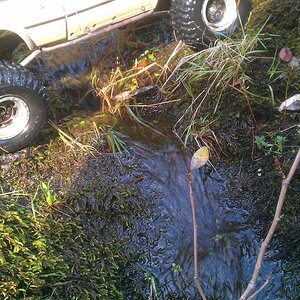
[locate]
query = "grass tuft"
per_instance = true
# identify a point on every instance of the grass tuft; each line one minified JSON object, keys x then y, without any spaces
{"x":218,"y":69}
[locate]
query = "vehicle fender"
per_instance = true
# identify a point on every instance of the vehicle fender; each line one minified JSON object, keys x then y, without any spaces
{"x":21,"y":33}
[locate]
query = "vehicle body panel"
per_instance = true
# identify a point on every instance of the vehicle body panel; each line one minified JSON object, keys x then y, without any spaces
{"x":127,"y":9}
{"x":86,"y":16}
{"x":89,"y":15}
{"x":44,"y":22}
{"x":37,"y":22}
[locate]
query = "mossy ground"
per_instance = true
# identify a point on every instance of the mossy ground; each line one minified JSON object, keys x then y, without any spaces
{"x":77,"y":246}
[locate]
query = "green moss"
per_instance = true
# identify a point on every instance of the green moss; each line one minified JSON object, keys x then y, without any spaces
{"x":283,"y":23}
{"x":70,"y":249}
{"x":28,"y":260}
{"x":54,"y":254}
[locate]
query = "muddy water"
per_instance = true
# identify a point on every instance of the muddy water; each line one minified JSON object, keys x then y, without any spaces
{"x":227,"y":247}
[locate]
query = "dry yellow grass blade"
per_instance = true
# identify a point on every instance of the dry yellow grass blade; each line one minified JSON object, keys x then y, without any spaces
{"x":71,"y":142}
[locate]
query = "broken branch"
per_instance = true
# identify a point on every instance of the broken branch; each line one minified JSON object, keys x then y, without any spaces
{"x":285,"y":183}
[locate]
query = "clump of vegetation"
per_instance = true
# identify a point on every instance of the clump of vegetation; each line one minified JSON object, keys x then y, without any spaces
{"x":51,"y":253}
{"x":272,"y":147}
{"x":207,"y":76}
{"x":28,"y":260}
{"x":116,"y":92}
{"x":55,"y":240}
{"x":108,"y":139}
{"x":60,"y":224}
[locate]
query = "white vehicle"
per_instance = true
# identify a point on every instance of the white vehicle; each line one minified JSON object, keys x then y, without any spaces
{"x":46,"y":25}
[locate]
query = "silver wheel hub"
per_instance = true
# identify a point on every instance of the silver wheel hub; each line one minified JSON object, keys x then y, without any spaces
{"x":14,"y":116}
{"x":219,"y":15}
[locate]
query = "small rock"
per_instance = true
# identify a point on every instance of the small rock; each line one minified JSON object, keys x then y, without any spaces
{"x":291,"y":104}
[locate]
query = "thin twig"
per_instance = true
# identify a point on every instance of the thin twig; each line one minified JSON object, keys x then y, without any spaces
{"x":261,"y":288}
{"x":289,"y":128}
{"x":196,"y":279}
{"x":285,"y":183}
{"x":154,"y":104}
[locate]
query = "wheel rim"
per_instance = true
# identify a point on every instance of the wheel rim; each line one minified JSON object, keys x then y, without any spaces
{"x":219,"y":15}
{"x":14,"y":116}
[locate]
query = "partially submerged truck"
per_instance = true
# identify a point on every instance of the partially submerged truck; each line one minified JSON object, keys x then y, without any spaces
{"x":47,"y":25}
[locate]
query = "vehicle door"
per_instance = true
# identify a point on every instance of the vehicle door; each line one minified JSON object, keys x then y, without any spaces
{"x":88,"y":15}
{"x":131,"y":8}
{"x":84,"y":16}
{"x":44,"y":20}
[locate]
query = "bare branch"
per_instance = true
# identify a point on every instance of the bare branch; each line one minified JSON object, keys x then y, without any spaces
{"x":196,"y":279}
{"x":261,"y":288}
{"x":263,"y":248}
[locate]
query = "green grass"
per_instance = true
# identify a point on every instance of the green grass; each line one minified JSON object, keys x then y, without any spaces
{"x":207,"y":75}
{"x":105,"y":134}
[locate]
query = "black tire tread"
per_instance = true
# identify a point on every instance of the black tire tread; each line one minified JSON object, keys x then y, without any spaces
{"x":12,"y":74}
{"x":182,"y":21}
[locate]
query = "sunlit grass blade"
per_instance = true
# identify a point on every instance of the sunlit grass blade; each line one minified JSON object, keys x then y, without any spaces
{"x":140,"y":121}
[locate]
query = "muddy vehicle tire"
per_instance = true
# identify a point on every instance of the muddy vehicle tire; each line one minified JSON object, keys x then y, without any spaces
{"x":22,"y":107}
{"x":197,"y":22}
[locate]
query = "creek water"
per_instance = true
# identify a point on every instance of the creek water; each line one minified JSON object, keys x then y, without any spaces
{"x":227,"y":246}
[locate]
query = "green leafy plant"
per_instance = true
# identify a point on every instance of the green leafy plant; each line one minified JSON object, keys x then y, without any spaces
{"x":271,"y":145}
{"x":149,"y":54}
{"x":27,"y":257}
{"x":176,"y":268}
{"x":106,"y":134}
{"x":53,"y":255}
{"x":49,"y":196}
